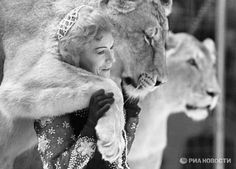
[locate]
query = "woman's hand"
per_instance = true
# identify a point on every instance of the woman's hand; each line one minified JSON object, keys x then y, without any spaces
{"x":100,"y":103}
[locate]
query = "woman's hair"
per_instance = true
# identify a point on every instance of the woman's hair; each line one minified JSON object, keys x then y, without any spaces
{"x":89,"y":26}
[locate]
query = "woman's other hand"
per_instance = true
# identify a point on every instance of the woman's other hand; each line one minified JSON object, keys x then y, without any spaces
{"x":130,"y":105}
{"x":100,"y":103}
{"x":132,"y":117}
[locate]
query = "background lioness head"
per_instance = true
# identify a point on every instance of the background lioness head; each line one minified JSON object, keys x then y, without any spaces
{"x":193,"y":87}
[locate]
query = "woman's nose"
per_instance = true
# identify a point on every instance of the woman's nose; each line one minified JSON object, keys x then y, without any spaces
{"x":110,"y":56}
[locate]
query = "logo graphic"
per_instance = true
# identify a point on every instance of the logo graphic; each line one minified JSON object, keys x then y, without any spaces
{"x":183,"y":160}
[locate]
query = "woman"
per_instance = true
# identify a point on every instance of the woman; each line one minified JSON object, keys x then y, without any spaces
{"x":69,"y":141}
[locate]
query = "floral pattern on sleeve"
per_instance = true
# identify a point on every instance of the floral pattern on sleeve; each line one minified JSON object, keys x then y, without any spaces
{"x":130,"y":128}
{"x":59,"y":147}
{"x":82,"y":153}
{"x":65,"y":143}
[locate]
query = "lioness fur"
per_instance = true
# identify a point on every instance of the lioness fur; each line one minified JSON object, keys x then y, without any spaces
{"x":37,"y":83}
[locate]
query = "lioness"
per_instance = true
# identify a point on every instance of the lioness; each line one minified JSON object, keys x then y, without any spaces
{"x":192,"y":88}
{"x":30,"y":27}
{"x":37,"y":83}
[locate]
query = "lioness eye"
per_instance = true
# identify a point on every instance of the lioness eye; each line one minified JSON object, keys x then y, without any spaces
{"x":192,"y":62}
{"x":147,"y":39}
{"x":151,"y":32}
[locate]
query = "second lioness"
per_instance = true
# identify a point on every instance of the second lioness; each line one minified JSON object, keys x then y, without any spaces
{"x":192,"y":88}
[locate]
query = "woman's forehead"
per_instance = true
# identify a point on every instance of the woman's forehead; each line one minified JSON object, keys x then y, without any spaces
{"x":105,"y":39}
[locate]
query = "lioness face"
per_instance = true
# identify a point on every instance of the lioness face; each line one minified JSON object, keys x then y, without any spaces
{"x":193,"y":70}
{"x":140,"y":49}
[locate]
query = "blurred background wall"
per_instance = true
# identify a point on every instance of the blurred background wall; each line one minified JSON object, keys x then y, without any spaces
{"x":195,"y":139}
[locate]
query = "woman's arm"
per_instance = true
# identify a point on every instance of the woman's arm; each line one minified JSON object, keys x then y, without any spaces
{"x":57,"y":143}
{"x":59,"y":147}
{"x":132,"y":111}
{"x":130,"y":128}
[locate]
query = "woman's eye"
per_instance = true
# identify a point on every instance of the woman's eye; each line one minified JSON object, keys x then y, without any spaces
{"x":192,"y":62}
{"x":101,"y":52}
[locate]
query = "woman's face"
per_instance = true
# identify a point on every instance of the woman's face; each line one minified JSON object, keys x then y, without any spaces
{"x":98,"y":55}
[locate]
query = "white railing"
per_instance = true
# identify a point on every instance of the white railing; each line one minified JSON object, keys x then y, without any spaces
{"x":220,"y":111}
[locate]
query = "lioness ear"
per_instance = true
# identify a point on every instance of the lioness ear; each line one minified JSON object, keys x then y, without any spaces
{"x":121,"y":6}
{"x":172,"y":45}
{"x":171,"y":41}
{"x":167,"y":5}
{"x":210,"y":45}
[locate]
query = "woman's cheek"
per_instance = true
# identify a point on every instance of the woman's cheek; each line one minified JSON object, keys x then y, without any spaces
{"x":100,"y":60}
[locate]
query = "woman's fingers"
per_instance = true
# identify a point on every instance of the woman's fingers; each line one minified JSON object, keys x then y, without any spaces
{"x":110,"y":94}
{"x":98,"y":93}
{"x":106,"y":101}
{"x":103,"y":110}
{"x":104,"y":96}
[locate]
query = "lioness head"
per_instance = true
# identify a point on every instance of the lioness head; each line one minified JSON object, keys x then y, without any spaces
{"x":192,"y":67}
{"x":140,"y":32}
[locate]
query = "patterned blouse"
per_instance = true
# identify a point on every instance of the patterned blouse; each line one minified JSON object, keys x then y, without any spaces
{"x":65,"y":142}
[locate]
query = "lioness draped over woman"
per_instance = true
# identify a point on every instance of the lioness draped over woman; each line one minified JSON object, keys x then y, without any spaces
{"x":69,"y":141}
{"x":37,"y":83}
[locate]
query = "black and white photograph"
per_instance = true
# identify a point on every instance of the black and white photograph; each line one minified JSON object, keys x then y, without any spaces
{"x":117,"y":84}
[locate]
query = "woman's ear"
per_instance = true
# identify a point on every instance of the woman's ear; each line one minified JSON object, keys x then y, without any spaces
{"x":90,"y":30}
{"x":67,"y":55}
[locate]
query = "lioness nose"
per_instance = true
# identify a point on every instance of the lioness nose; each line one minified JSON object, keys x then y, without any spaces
{"x":130,"y":81}
{"x":158,"y":83}
{"x":213,"y":90}
{"x":161,"y":80}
